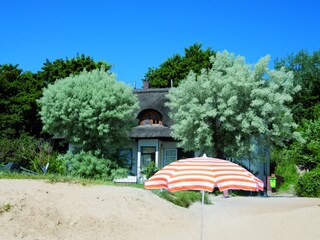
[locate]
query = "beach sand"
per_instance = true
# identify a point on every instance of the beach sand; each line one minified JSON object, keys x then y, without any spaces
{"x":42,"y":210}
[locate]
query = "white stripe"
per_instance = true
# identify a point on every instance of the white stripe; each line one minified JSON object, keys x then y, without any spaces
{"x":186,"y":184}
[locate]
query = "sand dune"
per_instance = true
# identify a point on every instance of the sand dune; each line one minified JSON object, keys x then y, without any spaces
{"x":41,"y":210}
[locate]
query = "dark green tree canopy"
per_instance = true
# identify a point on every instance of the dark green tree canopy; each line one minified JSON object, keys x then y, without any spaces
{"x":178,"y":67}
{"x":306,"y":70}
{"x":59,"y":68}
{"x":18,"y":93}
{"x":20,"y":89}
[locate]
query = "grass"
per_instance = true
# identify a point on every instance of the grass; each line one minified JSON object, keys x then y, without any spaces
{"x":5,"y":208}
{"x":55,"y":178}
{"x":182,"y":198}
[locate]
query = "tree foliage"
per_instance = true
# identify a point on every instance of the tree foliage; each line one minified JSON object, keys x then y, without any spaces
{"x":232,"y":107}
{"x":87,"y":165}
{"x":306,"y":154}
{"x":20,"y":89}
{"x":306,"y":70}
{"x":308,"y":184}
{"x":18,"y":110}
{"x":91,"y":110}
{"x":60,"y":68}
{"x":177,"y":67}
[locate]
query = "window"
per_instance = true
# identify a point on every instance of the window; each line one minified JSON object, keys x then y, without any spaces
{"x":150,"y":117}
{"x":148,"y":155}
{"x":126,"y":157}
{"x":170,"y":155}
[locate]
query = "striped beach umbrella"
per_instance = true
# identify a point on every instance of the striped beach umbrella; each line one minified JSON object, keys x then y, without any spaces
{"x":204,"y":174}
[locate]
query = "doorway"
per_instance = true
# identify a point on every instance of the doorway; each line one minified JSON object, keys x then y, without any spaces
{"x":148,"y":155}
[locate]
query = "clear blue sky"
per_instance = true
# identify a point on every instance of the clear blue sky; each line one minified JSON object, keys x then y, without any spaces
{"x":135,"y":35}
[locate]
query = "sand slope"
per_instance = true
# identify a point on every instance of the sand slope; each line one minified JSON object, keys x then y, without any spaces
{"x":42,"y":210}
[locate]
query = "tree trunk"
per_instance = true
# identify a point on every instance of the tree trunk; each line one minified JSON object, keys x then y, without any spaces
{"x":217,"y":138}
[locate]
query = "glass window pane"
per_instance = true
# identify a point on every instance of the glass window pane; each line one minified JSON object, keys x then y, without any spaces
{"x":170,"y":155}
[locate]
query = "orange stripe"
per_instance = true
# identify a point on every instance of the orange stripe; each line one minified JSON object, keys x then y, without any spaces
{"x":236,"y":180}
{"x":239,"y":187}
{"x":156,"y":186}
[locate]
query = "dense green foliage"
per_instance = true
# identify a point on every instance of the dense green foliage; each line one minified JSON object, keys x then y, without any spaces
{"x":306,"y":70}
{"x":228,"y":108}
{"x":150,"y":170}
{"x":60,"y":68}
{"x":183,"y":198}
{"x":87,"y":165}
{"x":30,"y":153}
{"x":178,"y":67}
{"x":92,"y":110}
{"x":21,"y":150}
{"x":20,"y":89}
{"x":18,"y":93}
{"x":306,"y":111}
{"x":307,"y":153}
{"x":308,"y":184}
{"x":285,"y":167}
{"x":119,"y":173}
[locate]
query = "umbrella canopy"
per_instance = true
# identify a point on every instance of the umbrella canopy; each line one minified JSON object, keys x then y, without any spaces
{"x":204,"y":173}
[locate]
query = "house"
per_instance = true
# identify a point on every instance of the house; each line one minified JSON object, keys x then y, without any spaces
{"x":151,"y":140}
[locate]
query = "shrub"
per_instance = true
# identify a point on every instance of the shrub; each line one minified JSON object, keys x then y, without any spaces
{"x":20,"y":151}
{"x":287,"y":169}
{"x":85,"y":164}
{"x":150,"y":170}
{"x":308,"y":184}
{"x":119,"y":173}
{"x":45,"y":155}
{"x":183,"y":198}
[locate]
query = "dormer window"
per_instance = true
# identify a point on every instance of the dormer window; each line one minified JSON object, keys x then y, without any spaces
{"x":150,"y":117}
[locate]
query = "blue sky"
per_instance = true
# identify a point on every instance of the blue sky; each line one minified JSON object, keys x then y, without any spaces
{"x":135,"y":35}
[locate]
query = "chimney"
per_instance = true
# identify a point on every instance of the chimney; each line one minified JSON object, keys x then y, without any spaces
{"x":146,"y":84}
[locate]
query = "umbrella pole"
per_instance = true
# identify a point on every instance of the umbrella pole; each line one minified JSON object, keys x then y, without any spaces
{"x":202,"y":203}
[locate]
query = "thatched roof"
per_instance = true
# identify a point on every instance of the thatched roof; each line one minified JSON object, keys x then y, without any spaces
{"x":153,"y":99}
{"x":150,"y":131}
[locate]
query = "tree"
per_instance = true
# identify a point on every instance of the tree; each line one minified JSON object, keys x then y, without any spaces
{"x":177,"y":68}
{"x":91,"y":110}
{"x":20,"y":89}
{"x":59,"y":68}
{"x":306,"y":70}
{"x":18,"y":93}
{"x":232,"y":107}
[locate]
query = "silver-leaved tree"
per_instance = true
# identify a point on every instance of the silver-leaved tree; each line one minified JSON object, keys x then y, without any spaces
{"x":234,"y":106}
{"x":92,"y":110}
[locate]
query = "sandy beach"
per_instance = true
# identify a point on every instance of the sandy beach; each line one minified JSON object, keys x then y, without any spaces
{"x":42,"y":210}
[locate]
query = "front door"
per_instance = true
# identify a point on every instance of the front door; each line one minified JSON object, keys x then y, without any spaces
{"x":148,"y":155}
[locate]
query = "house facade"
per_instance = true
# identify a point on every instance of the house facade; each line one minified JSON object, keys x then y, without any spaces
{"x":151,"y":140}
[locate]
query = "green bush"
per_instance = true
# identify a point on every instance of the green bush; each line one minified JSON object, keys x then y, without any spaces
{"x":150,"y":170}
{"x":20,"y":151}
{"x":45,"y":155}
{"x":119,"y":173}
{"x":85,"y":164}
{"x":308,"y":184}
{"x":286,"y":168}
{"x":183,"y":198}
